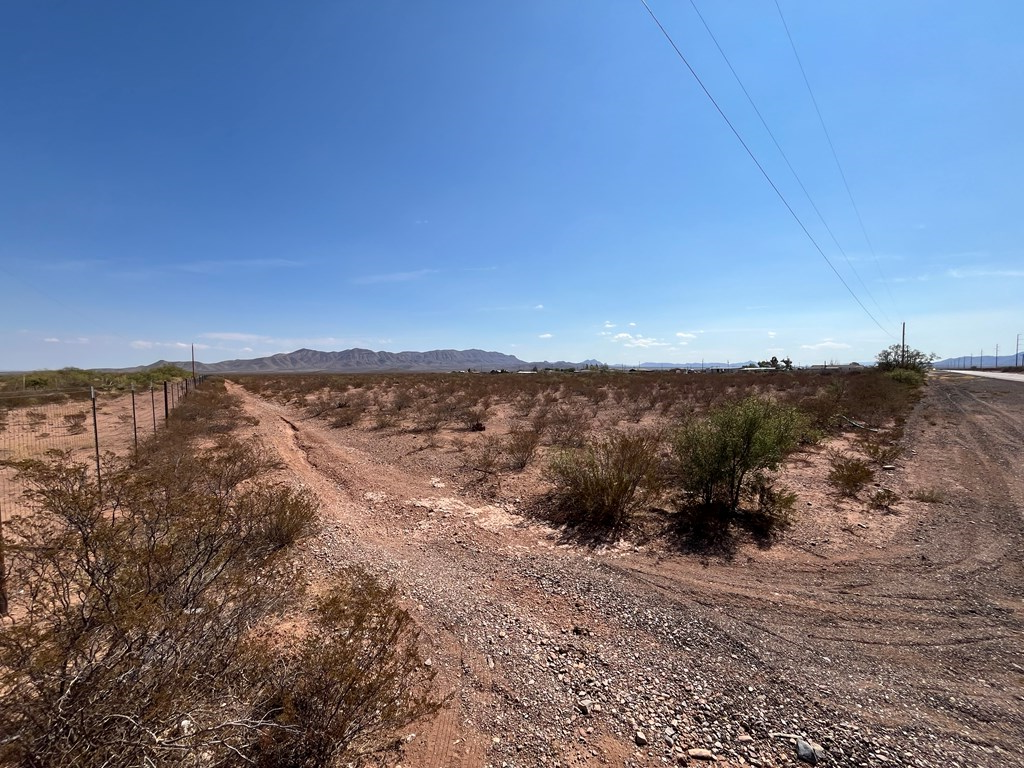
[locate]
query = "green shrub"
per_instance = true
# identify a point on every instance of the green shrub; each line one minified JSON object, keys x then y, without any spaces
{"x":719,"y":456}
{"x":773,"y":507}
{"x":605,"y":481}
{"x":908,"y":376}
{"x":848,"y":474}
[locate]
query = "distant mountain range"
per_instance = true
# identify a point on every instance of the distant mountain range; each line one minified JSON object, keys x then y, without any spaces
{"x":366,"y":360}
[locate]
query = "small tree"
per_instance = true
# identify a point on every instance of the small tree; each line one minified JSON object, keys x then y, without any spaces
{"x":900,"y":356}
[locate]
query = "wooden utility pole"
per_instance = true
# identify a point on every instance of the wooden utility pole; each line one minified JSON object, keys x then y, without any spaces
{"x":193,"y":362}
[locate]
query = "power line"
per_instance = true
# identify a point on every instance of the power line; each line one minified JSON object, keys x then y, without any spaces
{"x":785,"y":157}
{"x":764,"y":173}
{"x":835,"y":155}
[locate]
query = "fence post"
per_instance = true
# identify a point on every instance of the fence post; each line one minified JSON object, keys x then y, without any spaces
{"x":96,"y":439}
{"x":135,"y":422}
{"x":3,"y":569}
{"x":167,"y":407}
{"x":152,"y":401}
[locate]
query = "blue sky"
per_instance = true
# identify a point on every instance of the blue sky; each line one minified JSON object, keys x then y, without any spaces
{"x":541,"y":178}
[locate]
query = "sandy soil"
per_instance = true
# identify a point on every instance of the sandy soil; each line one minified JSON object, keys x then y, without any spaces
{"x":886,"y":637}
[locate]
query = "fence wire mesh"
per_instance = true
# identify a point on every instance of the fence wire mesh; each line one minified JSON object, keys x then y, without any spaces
{"x":84,"y":423}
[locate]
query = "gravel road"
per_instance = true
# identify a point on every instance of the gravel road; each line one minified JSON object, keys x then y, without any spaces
{"x":900,"y":645}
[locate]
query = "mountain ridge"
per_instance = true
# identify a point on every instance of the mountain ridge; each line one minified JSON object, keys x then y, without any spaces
{"x":359,"y":360}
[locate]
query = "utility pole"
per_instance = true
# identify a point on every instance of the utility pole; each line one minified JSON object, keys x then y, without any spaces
{"x":193,"y":362}
{"x":1016,"y":354}
{"x":903,"y":347}
{"x":997,"y":355}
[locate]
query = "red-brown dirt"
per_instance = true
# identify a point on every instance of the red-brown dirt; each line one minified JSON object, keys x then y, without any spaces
{"x":887,"y":637}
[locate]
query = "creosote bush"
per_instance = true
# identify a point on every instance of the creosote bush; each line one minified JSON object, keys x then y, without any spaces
{"x":355,"y":673}
{"x":132,"y":636}
{"x":727,"y":455}
{"x":608,"y":479}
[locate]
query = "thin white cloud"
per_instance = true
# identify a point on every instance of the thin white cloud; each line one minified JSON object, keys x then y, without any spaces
{"x":632,"y":325}
{"x":546,"y":336}
{"x":608,"y":324}
{"x":966,"y":273}
{"x":638,"y":340}
{"x":772,"y":334}
{"x":77,"y":340}
{"x":917,"y":279}
{"x":250,"y":340}
{"x":393,"y":277}
{"x":539,"y":306}
{"x":826,"y":344}
{"x":70,"y":265}
{"x":213,"y":266}
{"x":147,"y":344}
{"x":231,"y":336}
{"x":685,"y":335}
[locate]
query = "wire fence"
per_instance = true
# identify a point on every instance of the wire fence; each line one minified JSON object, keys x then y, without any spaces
{"x":85,"y":423}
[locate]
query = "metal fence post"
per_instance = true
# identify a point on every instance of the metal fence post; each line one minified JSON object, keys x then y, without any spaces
{"x":167,"y":407}
{"x":3,"y":569}
{"x":135,"y":421}
{"x":152,"y":401}
{"x":96,"y":439}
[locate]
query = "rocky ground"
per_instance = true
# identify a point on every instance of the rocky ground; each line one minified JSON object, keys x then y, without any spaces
{"x":861,"y":638}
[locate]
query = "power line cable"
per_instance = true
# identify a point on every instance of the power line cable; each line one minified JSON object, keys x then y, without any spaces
{"x":835,"y":155}
{"x":785,"y":157}
{"x":764,"y":173}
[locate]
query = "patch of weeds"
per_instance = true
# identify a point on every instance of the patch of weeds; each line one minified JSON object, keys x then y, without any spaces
{"x":929,"y":495}
{"x":881,"y":453}
{"x":848,"y":474}
{"x":883,"y":499}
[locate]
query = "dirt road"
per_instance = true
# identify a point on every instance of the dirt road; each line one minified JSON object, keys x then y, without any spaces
{"x":894,"y":641}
